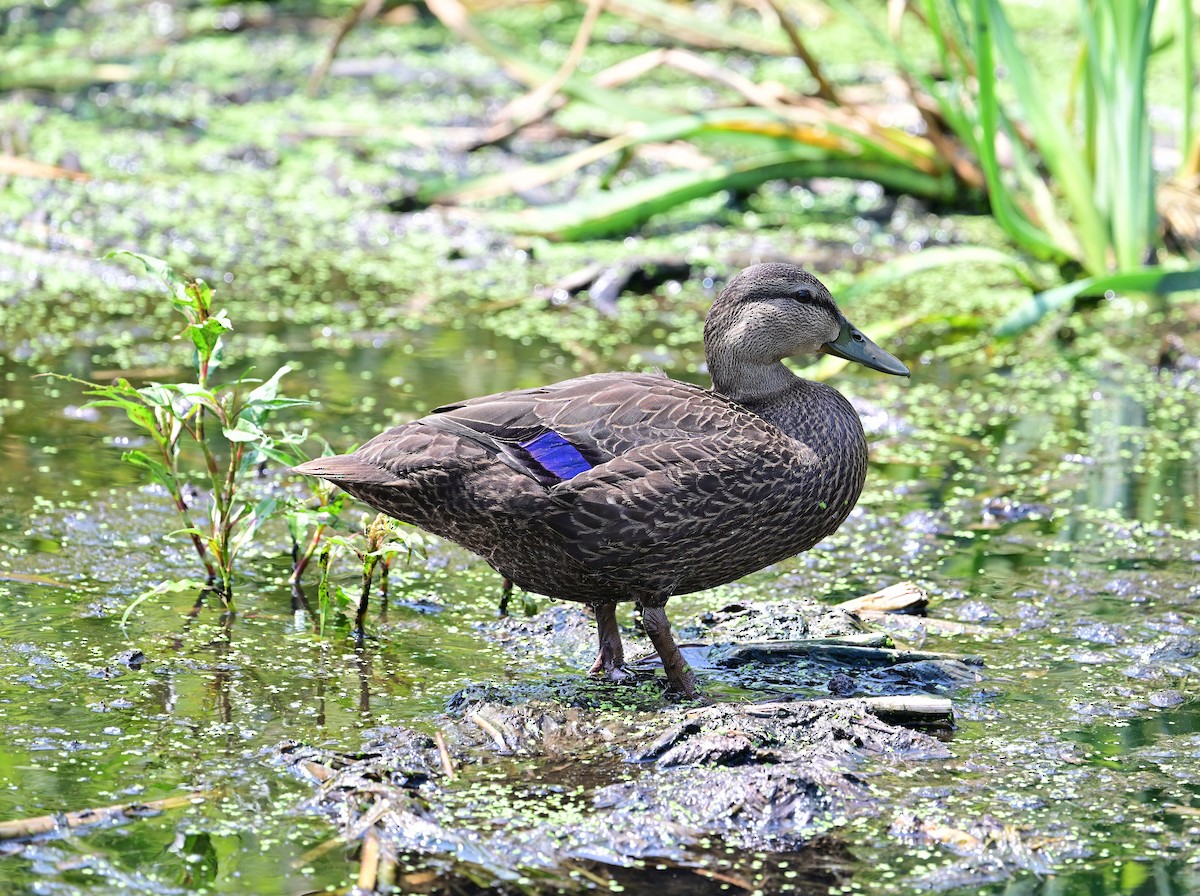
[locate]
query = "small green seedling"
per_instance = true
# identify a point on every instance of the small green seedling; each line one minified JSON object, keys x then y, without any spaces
{"x":224,"y":425}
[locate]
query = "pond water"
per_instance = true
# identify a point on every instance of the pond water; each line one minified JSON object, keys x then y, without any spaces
{"x":1051,"y":511}
{"x":1045,"y":493}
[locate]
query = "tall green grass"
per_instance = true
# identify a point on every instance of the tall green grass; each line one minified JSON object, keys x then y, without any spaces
{"x":1078,"y":184}
{"x":1064,"y":162}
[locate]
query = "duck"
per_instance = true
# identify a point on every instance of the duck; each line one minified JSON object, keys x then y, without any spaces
{"x":635,"y":487}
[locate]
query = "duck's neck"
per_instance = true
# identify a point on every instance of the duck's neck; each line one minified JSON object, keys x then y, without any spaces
{"x":753,"y":385}
{"x":810,"y":412}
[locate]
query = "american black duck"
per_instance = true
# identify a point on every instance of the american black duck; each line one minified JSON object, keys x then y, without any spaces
{"x":632,"y":486}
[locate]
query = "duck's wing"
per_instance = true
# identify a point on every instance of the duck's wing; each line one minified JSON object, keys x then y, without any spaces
{"x":510,"y":427}
{"x":634,"y":437}
{"x":554,"y":433}
{"x":644,"y":462}
{"x":714,"y":489}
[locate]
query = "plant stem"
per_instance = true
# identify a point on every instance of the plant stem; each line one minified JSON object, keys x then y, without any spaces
{"x":225,"y":520}
{"x":170,"y":456}
{"x":324,"y":598}
{"x":300,"y":563}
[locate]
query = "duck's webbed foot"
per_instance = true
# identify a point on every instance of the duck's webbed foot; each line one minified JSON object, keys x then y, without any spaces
{"x":681,"y":681}
{"x":610,"y":661}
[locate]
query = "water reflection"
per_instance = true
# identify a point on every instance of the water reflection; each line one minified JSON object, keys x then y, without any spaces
{"x":1142,"y":468}
{"x":1001,"y":525}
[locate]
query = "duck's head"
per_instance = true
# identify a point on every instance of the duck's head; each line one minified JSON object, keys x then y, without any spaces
{"x":773,"y":311}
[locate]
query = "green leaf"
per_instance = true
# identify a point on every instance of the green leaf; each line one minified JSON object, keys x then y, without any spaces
{"x":344,"y":598}
{"x":929,"y":259}
{"x":122,"y":389}
{"x":265,"y":398}
{"x":244,"y":431}
{"x":155,"y":266}
{"x":157,"y":470}
{"x":288,"y":458}
{"x":191,"y":530}
{"x":137,"y":412}
{"x":162,"y":588}
{"x":197,"y":394}
{"x":259,"y":514}
{"x":1150,"y":280}
{"x":207,"y":336}
{"x":276,"y":404}
{"x":200,"y":296}
{"x":334,"y":507}
{"x":142,"y":416}
{"x":620,"y":210}
{"x":158,"y":395}
{"x":267,"y":390}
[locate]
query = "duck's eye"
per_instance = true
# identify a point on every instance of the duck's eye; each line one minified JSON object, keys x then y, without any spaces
{"x":802,"y":294}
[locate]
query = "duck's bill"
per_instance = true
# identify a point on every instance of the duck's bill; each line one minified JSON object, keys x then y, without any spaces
{"x":852,"y":345}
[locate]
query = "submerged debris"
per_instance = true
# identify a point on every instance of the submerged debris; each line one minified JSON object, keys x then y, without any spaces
{"x":808,"y":732}
{"x":569,"y":785}
{"x":604,"y":283}
{"x":594,"y":788}
{"x":989,"y":850}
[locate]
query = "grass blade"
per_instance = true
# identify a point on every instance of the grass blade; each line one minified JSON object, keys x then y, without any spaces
{"x":1149,"y":280}
{"x":1053,"y":138}
{"x":1008,"y":215}
{"x":802,"y":133}
{"x":1117,"y":49}
{"x":622,"y":209}
{"x":930,"y":259}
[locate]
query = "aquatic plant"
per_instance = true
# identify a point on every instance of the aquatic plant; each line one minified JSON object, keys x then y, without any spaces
{"x":767,"y":132}
{"x":382,"y":541}
{"x":224,"y":424}
{"x":1076,"y":189}
{"x":1079,"y":188}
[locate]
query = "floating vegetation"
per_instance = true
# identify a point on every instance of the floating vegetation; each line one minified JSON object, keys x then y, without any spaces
{"x":1044,"y":494}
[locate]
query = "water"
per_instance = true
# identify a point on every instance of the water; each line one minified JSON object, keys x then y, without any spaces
{"x":1047,"y":495}
{"x":1048,"y":530}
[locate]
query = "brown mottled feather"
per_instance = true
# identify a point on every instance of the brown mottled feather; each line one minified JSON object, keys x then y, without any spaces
{"x":688,"y":487}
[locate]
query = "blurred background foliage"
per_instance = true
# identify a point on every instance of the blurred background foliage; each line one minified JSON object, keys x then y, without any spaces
{"x":409,"y":203}
{"x":626,"y":110}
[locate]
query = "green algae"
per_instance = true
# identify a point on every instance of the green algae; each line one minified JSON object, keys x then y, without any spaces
{"x":1045,"y":492}
{"x":1045,"y":568}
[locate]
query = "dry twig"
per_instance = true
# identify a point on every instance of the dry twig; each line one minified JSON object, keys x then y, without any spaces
{"x":366,"y":9}
{"x":21,"y":167}
{"x":536,"y":104}
{"x":22,"y":828}
{"x":368,"y":867}
{"x":444,"y":754}
{"x":902,"y":597}
{"x":825,"y":89}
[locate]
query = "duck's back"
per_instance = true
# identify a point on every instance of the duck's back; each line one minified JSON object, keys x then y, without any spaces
{"x":615,"y":486}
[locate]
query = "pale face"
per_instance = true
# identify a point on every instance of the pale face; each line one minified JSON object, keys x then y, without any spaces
{"x":773,"y":311}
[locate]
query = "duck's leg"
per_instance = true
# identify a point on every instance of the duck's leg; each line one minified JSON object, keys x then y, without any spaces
{"x":680,"y":679}
{"x":506,"y":589}
{"x":610,"y":662}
